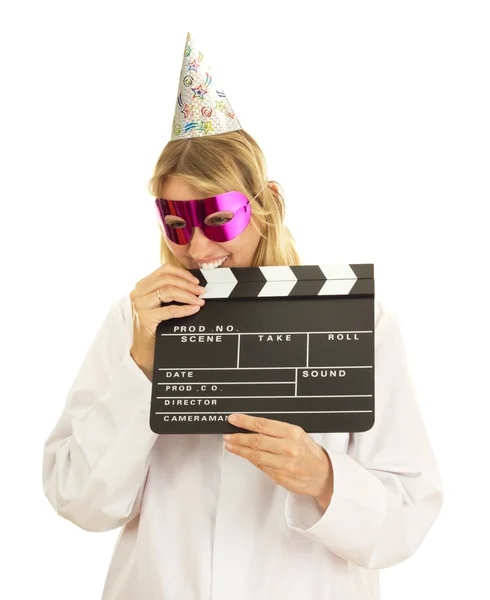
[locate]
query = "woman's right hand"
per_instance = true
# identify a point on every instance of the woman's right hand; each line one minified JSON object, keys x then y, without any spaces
{"x":175,"y":284}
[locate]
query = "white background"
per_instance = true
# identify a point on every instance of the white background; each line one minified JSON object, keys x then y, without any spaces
{"x":374,"y":116}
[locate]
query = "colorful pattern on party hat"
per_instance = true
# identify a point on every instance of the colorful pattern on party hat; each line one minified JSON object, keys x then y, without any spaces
{"x":201,"y":108}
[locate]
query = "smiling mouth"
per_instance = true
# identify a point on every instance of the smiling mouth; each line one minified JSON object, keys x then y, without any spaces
{"x":213,"y":265}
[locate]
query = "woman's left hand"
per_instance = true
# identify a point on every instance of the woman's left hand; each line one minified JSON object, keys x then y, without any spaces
{"x":286,"y":453}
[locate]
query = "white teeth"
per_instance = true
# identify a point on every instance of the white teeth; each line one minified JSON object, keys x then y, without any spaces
{"x":213,"y":265}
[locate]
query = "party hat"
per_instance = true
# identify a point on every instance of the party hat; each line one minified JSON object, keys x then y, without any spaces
{"x":202,"y":107}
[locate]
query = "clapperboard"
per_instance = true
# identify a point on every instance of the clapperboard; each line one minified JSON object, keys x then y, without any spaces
{"x":294,"y":344}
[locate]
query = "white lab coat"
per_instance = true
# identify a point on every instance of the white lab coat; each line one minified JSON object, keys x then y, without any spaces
{"x":200,"y":523}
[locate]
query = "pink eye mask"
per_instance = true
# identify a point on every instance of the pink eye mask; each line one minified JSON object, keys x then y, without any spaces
{"x":194,"y":213}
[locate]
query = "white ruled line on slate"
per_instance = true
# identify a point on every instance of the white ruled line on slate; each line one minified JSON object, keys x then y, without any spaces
{"x":187,"y":382}
{"x":265,"y":412}
{"x":216,"y":397}
{"x":185,"y":333}
{"x":255,"y":368}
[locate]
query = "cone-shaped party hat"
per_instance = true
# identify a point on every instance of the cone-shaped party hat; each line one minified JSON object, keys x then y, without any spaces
{"x":202,"y":107}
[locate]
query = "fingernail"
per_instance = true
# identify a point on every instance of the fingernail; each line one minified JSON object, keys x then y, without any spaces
{"x":232,"y":418}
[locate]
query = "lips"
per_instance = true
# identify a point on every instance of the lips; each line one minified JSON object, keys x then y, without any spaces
{"x":214,"y":264}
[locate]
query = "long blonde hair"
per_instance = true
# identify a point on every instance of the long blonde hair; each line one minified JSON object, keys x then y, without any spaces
{"x":230,"y":161}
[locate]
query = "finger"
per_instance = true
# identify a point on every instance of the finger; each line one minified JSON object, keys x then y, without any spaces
{"x":171,"y":290}
{"x":266,"y":426}
{"x":174,"y":293}
{"x":174,"y":311}
{"x":152,"y":281}
{"x":259,"y":458}
{"x":169,"y":269}
{"x":259,"y":441}
{"x":165,"y":280}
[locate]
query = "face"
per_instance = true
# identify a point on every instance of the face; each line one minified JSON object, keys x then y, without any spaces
{"x":201,"y":252}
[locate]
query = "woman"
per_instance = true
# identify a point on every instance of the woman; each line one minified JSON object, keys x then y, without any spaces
{"x":282,"y":514}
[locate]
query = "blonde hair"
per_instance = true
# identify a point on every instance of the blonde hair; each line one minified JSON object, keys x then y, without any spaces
{"x":230,"y":161}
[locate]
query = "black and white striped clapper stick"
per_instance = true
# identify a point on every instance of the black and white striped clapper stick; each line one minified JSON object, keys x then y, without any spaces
{"x":294,"y":344}
{"x":266,"y":282}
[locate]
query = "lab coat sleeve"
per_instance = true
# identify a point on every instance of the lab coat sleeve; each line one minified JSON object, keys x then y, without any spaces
{"x":96,"y":459}
{"x":387,"y":487}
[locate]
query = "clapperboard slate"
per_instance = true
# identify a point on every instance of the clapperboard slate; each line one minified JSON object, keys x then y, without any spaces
{"x":293,"y":344}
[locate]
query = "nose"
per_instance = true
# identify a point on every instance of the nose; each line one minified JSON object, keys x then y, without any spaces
{"x":199,"y":242}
